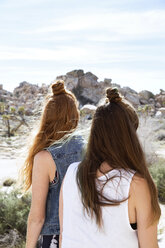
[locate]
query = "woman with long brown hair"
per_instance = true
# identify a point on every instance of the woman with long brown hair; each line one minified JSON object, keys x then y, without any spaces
{"x":109,"y":199}
{"x":52,"y":151}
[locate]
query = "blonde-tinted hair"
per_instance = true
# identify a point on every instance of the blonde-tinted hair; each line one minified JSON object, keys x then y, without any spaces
{"x":59,"y":118}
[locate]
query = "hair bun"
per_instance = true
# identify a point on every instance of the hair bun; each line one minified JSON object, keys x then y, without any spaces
{"x":113,"y":95}
{"x":58,"y":88}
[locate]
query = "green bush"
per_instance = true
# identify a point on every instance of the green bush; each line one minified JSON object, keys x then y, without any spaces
{"x":8,"y":182}
{"x":157,"y":171}
{"x":14,"y":209}
{"x":21,"y":110}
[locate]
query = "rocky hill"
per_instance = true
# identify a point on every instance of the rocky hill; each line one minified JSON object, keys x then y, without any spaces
{"x":24,"y":104}
{"x":87,"y":89}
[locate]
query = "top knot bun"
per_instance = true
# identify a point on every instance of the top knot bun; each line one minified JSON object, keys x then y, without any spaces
{"x":113,"y":95}
{"x":58,"y":88}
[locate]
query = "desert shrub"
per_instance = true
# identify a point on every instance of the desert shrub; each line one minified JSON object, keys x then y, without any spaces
{"x":14,"y":209}
{"x":8,"y":182}
{"x":157,"y":171}
{"x":13,"y":110}
{"x":21,"y":110}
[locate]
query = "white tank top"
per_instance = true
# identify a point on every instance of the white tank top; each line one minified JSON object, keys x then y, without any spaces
{"x":80,"y":231}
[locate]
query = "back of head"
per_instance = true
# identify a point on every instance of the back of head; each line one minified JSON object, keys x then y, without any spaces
{"x":113,"y":134}
{"x":61,"y":114}
{"x":112,"y":139}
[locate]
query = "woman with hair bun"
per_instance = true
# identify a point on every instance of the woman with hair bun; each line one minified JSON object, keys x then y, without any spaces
{"x":109,"y":198}
{"x":52,"y":151}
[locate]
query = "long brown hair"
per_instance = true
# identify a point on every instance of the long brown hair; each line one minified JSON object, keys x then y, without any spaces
{"x":112,"y":139}
{"x":59,"y":118}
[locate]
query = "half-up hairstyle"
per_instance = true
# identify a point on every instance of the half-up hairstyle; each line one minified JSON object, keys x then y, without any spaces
{"x":59,"y":118}
{"x":112,"y":139}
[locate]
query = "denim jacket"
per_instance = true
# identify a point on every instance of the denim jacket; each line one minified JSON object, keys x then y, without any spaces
{"x":63,"y":155}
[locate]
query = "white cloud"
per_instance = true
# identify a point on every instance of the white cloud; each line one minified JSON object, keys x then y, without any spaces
{"x":31,"y":53}
{"x":20,"y":3}
{"x":130,"y":24}
{"x":89,"y":54}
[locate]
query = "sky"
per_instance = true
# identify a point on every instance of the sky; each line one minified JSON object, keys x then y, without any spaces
{"x":119,"y":39}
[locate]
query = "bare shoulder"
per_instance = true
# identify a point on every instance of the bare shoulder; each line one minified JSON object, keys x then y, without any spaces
{"x":139,"y":183}
{"x":140,"y":189}
{"x":42,"y":155}
{"x":42,"y":158}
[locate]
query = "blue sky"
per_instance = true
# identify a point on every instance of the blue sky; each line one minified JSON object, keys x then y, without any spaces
{"x":119,"y":39}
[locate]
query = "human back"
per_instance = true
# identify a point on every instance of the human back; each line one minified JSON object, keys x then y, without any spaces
{"x":79,"y":230}
{"x":113,"y":142}
{"x":63,"y":155}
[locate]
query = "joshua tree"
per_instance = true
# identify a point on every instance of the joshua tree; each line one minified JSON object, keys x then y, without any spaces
{"x":13,"y":110}
{"x":12,"y":117}
{"x":6,"y":120}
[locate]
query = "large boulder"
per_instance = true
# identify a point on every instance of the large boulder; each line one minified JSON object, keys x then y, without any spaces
{"x":158,"y":105}
{"x":145,"y":94}
{"x":71,"y":79}
{"x":102,"y":101}
{"x":89,"y":95}
{"x":151,"y":101}
{"x":75,"y":73}
{"x":143,"y":101}
{"x":88,"y":80}
{"x":5,"y":95}
{"x":108,"y":81}
{"x":132,"y":98}
{"x":160,"y":99}
{"x":85,"y":86}
{"x":160,"y":113}
{"x":71,"y":82}
{"x":130,"y":95}
{"x":88,"y":111}
{"x":127,"y":90}
{"x":162,"y":92}
{"x":162,"y":110}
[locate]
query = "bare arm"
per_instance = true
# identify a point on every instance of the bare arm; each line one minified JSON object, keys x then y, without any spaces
{"x":61,"y":214}
{"x":40,"y":184}
{"x":147,"y":231}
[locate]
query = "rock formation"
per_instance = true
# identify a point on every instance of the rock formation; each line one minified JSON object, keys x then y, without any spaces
{"x":4,"y":94}
{"x":85,"y":86}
